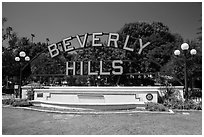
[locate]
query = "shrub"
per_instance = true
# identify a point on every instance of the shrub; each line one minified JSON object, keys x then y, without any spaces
{"x":30,"y":94}
{"x":190,"y":104}
{"x":155,"y":107}
{"x":16,"y":102}
{"x":174,"y":103}
{"x":21,"y":103}
{"x":179,"y":104}
{"x":8,"y":101}
{"x":198,"y":106}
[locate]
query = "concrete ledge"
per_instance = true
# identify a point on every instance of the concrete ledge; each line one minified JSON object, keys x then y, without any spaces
{"x":88,"y":106}
{"x":90,"y":112}
{"x":185,"y":110}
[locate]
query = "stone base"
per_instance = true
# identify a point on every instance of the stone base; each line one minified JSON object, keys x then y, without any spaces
{"x":87,"y":106}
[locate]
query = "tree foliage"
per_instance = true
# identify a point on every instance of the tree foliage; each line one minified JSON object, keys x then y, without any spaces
{"x":160,"y":48}
{"x":157,"y":57}
{"x":12,"y":45}
{"x":152,"y":58}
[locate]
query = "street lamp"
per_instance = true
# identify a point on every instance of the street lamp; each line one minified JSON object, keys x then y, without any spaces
{"x":185,"y":48}
{"x":22,"y":55}
{"x":98,"y":80}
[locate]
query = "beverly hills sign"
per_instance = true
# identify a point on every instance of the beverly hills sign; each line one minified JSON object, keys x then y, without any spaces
{"x":66,"y":44}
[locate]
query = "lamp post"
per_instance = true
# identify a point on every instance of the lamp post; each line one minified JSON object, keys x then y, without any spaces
{"x":98,"y":80}
{"x":185,"y":48}
{"x":23,"y":57}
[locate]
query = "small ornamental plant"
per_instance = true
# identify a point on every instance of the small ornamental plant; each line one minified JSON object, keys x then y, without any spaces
{"x":151,"y":106}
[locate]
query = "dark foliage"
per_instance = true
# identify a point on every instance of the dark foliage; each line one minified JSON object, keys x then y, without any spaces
{"x":16,"y":102}
{"x":155,"y":107}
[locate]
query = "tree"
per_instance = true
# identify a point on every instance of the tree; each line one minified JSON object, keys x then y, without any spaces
{"x":8,"y":32}
{"x":12,"y":45}
{"x":4,"y":19}
{"x":155,"y":55}
{"x":151,"y":60}
{"x":175,"y":67}
{"x":176,"y":64}
{"x":47,"y":41}
{"x":162,"y":42}
{"x":32,"y":36}
{"x":199,"y":38}
{"x":104,"y":54}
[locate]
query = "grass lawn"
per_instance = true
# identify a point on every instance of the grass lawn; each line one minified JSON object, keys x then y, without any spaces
{"x":26,"y":122}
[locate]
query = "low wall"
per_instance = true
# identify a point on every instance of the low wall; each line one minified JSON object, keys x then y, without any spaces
{"x":26,"y":88}
{"x":118,"y":97}
{"x":97,"y":94}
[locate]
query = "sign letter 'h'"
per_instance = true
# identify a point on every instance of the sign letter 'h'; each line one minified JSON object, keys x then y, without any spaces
{"x":70,"y":68}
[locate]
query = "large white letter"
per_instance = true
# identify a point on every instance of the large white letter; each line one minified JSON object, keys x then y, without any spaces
{"x":125,"y":45}
{"x":101,"y":69}
{"x":113,"y":39}
{"x":84,"y":42}
{"x":117,"y":67}
{"x":89,"y":69}
{"x":60,"y":45}
{"x":70,"y":68}
{"x":67,"y":45}
{"x":142,"y":47}
{"x":53,"y":50}
{"x":81,"y":67}
{"x":94,"y":40}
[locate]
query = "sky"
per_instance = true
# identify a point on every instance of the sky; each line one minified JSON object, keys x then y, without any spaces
{"x":57,"y":21}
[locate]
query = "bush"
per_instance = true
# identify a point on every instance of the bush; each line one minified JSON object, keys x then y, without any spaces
{"x":8,"y":101}
{"x":198,"y":106}
{"x":16,"y":102}
{"x":155,"y":107}
{"x":190,"y":104}
{"x":174,"y":103}
{"x":179,"y":104}
{"x":21,"y":103}
{"x":30,"y":94}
